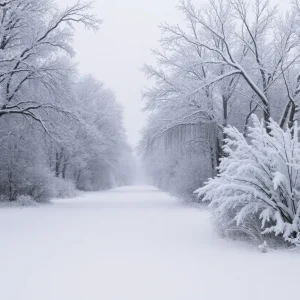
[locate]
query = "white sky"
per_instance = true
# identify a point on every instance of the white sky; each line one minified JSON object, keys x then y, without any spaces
{"x":116,"y":53}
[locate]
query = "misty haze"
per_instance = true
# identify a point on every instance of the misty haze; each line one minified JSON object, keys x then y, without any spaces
{"x":149,"y":150}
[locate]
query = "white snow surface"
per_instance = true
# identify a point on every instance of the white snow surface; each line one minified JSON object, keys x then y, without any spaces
{"x":133,"y":243}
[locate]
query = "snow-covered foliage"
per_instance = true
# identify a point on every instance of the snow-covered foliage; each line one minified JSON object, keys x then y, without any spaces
{"x":64,"y":188}
{"x":259,"y":176}
{"x":35,"y":38}
{"x":25,"y":200}
{"x":59,"y":131}
{"x":228,"y":60}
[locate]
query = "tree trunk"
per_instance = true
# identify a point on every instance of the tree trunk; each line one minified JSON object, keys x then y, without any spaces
{"x":213,"y":153}
{"x":285,"y":114}
{"x":225,"y":116}
{"x":64,"y":170}
{"x":267,"y":118}
{"x":57,"y":164}
{"x":11,"y":192}
{"x":78,"y":178}
{"x":219,"y":149}
{"x":292,"y":115}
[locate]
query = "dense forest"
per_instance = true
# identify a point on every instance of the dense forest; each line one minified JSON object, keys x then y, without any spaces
{"x":59,"y":130}
{"x":224,"y":105}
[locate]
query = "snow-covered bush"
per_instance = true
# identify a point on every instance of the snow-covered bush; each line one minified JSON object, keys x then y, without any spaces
{"x":260,"y":176}
{"x":3,"y":198}
{"x":38,"y":183}
{"x":64,"y":188}
{"x":226,"y":225}
{"x":25,"y":200}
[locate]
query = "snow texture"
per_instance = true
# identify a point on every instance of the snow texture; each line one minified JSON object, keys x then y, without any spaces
{"x":132,"y":243}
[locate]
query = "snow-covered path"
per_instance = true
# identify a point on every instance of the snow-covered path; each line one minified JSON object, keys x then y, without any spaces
{"x":132,"y":244}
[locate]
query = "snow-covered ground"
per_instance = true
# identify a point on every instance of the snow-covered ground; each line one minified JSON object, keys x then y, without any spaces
{"x":132,"y":244}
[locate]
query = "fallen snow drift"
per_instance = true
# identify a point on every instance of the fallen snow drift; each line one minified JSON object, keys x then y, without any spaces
{"x":132,"y":243}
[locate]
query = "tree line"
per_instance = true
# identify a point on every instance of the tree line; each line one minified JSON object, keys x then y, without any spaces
{"x":225,"y":105}
{"x":59,"y":130}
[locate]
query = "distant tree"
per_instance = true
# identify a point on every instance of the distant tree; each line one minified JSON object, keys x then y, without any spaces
{"x":96,"y":159}
{"x":57,"y":132}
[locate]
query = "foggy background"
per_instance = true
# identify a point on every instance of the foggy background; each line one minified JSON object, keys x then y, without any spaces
{"x":116,"y":53}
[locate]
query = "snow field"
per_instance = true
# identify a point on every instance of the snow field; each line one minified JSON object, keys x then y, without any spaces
{"x":132,"y":243}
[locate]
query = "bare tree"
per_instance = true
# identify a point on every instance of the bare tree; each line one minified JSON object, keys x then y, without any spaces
{"x":33,"y":37}
{"x":245,"y":40}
